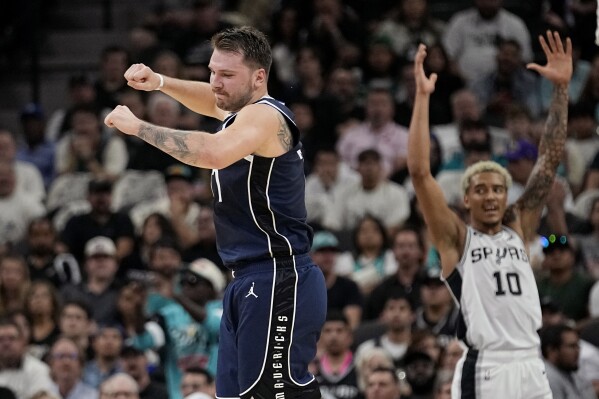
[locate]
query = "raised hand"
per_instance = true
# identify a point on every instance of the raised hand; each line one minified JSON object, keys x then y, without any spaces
{"x":424,"y":85}
{"x":141,"y":77}
{"x":559,"y":60}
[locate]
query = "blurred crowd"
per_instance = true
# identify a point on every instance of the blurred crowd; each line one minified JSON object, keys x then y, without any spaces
{"x":110,"y":278}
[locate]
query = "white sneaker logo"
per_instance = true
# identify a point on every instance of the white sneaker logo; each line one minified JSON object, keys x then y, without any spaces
{"x":251,"y":292}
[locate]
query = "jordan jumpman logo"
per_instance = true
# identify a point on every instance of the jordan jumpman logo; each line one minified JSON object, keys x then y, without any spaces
{"x":251,"y":292}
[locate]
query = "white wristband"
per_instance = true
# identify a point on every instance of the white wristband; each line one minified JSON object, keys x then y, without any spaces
{"x":161,"y":82}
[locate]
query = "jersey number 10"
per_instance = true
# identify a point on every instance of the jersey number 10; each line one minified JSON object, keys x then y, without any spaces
{"x":513,"y":283}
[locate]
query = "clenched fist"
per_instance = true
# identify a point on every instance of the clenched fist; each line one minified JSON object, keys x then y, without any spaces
{"x":141,"y":77}
{"x":123,"y":119}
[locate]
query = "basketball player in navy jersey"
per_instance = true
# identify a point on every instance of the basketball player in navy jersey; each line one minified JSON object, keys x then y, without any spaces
{"x":276,"y":304}
{"x":485,"y":264}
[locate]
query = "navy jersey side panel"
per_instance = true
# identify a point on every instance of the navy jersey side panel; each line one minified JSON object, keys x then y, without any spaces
{"x":259,"y":203}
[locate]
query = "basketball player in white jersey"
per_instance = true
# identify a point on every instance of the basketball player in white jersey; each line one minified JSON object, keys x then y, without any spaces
{"x":486,"y":264}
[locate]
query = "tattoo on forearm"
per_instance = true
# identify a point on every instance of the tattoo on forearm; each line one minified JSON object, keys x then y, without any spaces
{"x":173,"y":142}
{"x":284,"y":134}
{"x":551,"y":151}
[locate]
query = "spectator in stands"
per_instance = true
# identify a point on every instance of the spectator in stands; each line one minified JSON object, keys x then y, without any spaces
{"x":35,"y":148}
{"x":205,"y":19}
{"x":437,"y":312}
{"x":17,"y":208}
{"x":337,"y":30}
{"x":451,"y":355}
{"x":135,"y":363}
{"x":107,"y":343}
{"x":582,"y":144}
{"x":564,"y":284}
{"x":76,"y":323}
{"x":443,"y":386}
{"x":370,"y":260}
{"x":42,"y":308}
{"x":509,"y":83}
{"x":80,"y":91}
{"x":20,"y":372}
{"x":66,"y":364}
{"x":175,"y":321}
{"x":380,"y":65}
{"x":336,"y":372}
{"x":343,"y":294}
{"x":135,"y":266}
{"x":425,"y":340}
{"x":344,"y":85}
{"x":397,"y":317}
{"x":120,"y":384}
{"x":87,"y":148}
{"x":28,"y":178}
{"x":14,"y":283}
{"x":588,"y":244}
{"x":409,"y":251}
{"x":383,"y":383}
{"x":378,"y":132}
{"x":561,"y":349}
{"x":421,"y":373}
{"x":521,"y":158}
{"x":285,"y":40}
{"x":197,"y":379}
{"x":98,"y":289}
{"x":202,"y":287}
{"x":114,"y":61}
{"x":464,"y":107}
{"x":205,"y":247}
{"x":328,"y":175}
{"x":368,"y":360}
{"x":408,"y":24}
{"x":99,"y":221}
{"x":471,"y":37}
{"x":42,"y":259}
{"x":373,"y":194}
{"x":178,"y":206}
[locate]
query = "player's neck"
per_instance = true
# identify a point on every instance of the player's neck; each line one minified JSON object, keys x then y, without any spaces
{"x":486,"y":228}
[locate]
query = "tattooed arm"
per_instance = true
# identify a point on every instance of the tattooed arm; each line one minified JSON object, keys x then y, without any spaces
{"x":258,"y":129}
{"x":527,"y":209}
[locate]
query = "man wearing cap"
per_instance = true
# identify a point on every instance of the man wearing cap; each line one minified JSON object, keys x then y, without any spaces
{"x":98,"y":290}
{"x":343,"y":293}
{"x":521,"y":158}
{"x":178,"y":206}
{"x":564,"y":284}
{"x":35,"y":148}
{"x":188,"y":342}
{"x":99,"y":221}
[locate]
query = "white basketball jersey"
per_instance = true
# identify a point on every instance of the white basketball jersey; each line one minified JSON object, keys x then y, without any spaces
{"x":495,"y":288}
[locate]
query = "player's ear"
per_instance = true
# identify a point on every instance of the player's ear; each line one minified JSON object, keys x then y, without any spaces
{"x":466,"y":201}
{"x":259,"y":78}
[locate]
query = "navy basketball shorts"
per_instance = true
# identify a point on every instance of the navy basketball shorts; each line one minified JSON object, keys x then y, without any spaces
{"x":273,"y":312}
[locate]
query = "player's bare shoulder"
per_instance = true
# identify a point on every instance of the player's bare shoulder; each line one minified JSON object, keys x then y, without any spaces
{"x":284,"y":133}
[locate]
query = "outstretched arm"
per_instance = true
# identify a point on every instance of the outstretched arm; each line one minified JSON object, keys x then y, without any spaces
{"x":197,"y":96}
{"x":443,"y":224}
{"x":255,"y":126}
{"x":551,"y":148}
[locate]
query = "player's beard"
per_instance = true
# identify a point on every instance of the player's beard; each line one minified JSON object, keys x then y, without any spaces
{"x":235,"y":103}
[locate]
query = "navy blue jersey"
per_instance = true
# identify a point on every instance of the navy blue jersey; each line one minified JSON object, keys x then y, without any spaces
{"x":259,"y":204}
